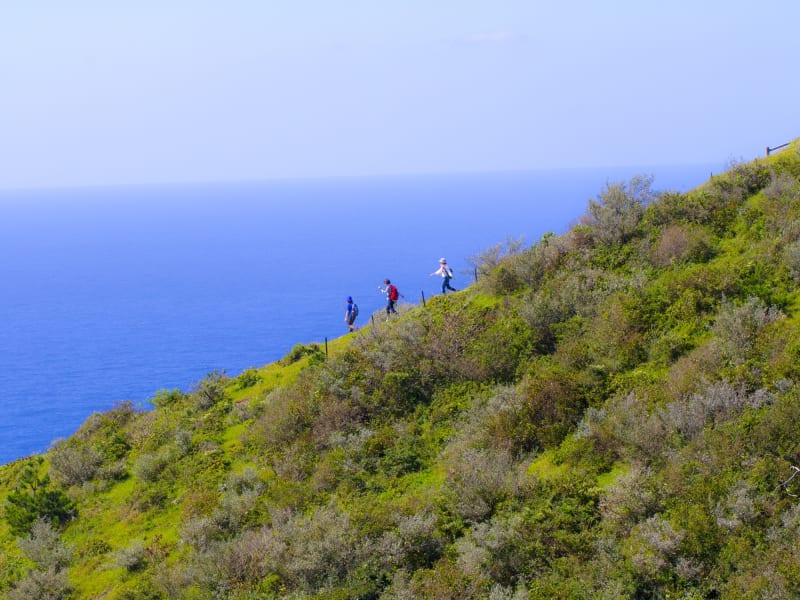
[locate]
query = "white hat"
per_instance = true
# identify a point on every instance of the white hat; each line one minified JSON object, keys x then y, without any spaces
{"x":442,"y":260}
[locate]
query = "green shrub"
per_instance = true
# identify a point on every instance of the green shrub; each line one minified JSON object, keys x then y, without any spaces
{"x":300,"y":351}
{"x":247,"y":378}
{"x":33,"y":498}
{"x":210,"y":390}
{"x":165,"y":398}
{"x":615,"y":215}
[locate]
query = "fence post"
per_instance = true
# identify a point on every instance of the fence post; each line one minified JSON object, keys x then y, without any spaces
{"x":476,"y":274}
{"x":423,"y":298}
{"x":326,"y":347}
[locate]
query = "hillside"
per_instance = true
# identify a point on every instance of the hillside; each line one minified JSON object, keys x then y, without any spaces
{"x":609,"y":413}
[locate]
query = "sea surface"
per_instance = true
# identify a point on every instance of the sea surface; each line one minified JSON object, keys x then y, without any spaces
{"x":113,"y":293}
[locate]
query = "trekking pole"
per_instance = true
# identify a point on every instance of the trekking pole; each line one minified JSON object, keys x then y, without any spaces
{"x":423,"y":298}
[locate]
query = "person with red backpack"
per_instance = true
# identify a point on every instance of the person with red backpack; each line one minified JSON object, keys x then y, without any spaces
{"x":391,"y":296}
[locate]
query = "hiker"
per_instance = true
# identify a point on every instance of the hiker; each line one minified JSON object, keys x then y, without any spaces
{"x":350,"y":314}
{"x":391,"y":296}
{"x":447,"y":274}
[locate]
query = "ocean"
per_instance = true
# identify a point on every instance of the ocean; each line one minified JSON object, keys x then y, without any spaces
{"x":114,"y":293}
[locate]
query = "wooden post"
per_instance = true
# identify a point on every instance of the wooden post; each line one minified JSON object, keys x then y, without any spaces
{"x":326,"y":347}
{"x":423,"y":297}
{"x":373,"y":320}
{"x":476,"y":274}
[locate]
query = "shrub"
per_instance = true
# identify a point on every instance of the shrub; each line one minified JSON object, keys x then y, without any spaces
{"x":287,"y":413}
{"x":719,"y":402}
{"x":240,"y":562}
{"x":74,"y":463}
{"x":414,"y":544}
{"x":149,"y":466}
{"x":537,"y":414}
{"x":791,"y":257}
{"x":737,"y":328}
{"x":631,"y":498}
{"x":541,"y":261}
{"x":624,"y":426}
{"x":679,"y":243}
{"x":247,"y":378}
{"x":132,"y":558}
{"x":488,"y":260}
{"x":477,"y":479}
{"x":200,"y":532}
{"x":746,"y":177}
{"x":654,"y":547}
{"x":42,"y":585}
{"x":44,"y":547}
{"x":236,"y":506}
{"x":165,"y":398}
{"x":614,"y":216}
{"x":739,"y":508}
{"x":210,"y":390}
{"x":300,"y":351}
{"x":781,"y":207}
{"x":494,"y":550}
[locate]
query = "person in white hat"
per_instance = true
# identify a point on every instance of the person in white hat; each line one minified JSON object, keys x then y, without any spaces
{"x":447,"y":274}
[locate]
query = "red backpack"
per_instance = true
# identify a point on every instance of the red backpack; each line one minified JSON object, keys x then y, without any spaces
{"x":393,"y":293}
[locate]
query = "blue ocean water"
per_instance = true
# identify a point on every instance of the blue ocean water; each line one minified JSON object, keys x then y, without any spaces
{"x":113,"y":293}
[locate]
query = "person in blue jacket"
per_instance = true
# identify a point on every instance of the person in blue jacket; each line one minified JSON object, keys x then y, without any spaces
{"x":350,"y":314}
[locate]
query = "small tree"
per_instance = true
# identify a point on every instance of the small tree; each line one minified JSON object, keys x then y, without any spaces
{"x":33,"y":498}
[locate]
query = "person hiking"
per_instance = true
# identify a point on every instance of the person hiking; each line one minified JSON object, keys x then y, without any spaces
{"x":447,"y":274}
{"x":350,"y":314}
{"x":391,"y":296}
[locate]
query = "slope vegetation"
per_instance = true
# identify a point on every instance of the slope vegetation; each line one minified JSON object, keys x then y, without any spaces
{"x":610,"y":413}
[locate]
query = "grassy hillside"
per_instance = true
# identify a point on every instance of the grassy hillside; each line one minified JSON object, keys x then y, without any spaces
{"x":610,"y":413}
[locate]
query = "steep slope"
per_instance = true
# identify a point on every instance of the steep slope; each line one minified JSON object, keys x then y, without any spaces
{"x":610,"y":413}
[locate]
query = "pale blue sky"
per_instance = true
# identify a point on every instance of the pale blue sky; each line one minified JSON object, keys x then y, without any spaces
{"x":98,"y":92}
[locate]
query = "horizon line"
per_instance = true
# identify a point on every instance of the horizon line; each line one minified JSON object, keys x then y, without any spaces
{"x":310,"y":178}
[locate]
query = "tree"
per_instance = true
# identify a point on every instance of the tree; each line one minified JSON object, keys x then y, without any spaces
{"x":33,"y":498}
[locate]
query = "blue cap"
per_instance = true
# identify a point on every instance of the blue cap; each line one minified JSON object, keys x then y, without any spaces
{"x":349,"y":298}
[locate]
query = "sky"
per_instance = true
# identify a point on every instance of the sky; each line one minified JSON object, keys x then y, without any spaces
{"x":98,"y":92}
